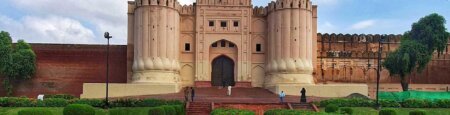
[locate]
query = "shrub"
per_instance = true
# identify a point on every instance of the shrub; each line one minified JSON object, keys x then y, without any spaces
{"x":179,"y":109}
{"x":35,"y":111}
{"x":150,"y":103}
{"x":418,"y":112}
{"x":231,"y":112}
{"x":346,"y":110}
{"x":79,"y":109}
{"x":21,"y":102}
{"x":17,"y":102}
{"x":331,"y":108}
{"x":389,"y":103}
{"x":62,"y":96}
{"x":156,"y":111}
{"x":443,"y":103}
{"x":352,"y":102}
{"x":91,"y":102}
{"x":169,"y":110}
{"x":415,"y":103}
{"x":173,"y":102}
{"x":124,"y":103}
{"x":291,"y":112}
{"x":126,"y":111}
{"x":52,"y":102}
{"x":387,"y":112}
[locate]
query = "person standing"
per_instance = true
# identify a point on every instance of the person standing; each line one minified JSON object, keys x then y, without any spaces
{"x":282,"y":95}
{"x":303,"y":96}
{"x":192,"y":94}
{"x":229,"y":91}
{"x":186,"y":94}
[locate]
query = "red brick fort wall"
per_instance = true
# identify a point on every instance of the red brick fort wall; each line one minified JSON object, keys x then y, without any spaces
{"x":63,"y":68}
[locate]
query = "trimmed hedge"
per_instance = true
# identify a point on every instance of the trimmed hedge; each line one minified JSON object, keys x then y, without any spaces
{"x":344,"y":102}
{"x":387,"y":112}
{"x":443,"y":103}
{"x":221,"y":111}
{"x":79,"y":109}
{"x":156,"y":111}
{"x":415,"y":103}
{"x":52,"y":102}
{"x":346,"y":110}
{"x":292,"y":112}
{"x":91,"y":102}
{"x":179,"y":109}
{"x":409,"y":103}
{"x":17,"y":102}
{"x":127,"y":111}
{"x":389,"y":103}
{"x":60,"y":102}
{"x":62,"y":96}
{"x":418,"y":112}
{"x":35,"y":111}
{"x":169,"y":110}
{"x":331,"y":108}
{"x":151,"y":102}
{"x":124,"y":103}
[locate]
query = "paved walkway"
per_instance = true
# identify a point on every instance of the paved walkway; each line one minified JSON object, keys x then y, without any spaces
{"x":239,"y":95}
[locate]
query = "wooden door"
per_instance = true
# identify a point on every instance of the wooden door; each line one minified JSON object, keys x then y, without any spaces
{"x":222,"y":71}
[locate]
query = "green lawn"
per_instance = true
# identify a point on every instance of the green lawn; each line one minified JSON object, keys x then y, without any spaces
{"x":401,"y":111}
{"x":59,"y":110}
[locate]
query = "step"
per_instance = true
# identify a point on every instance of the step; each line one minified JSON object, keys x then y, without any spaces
{"x":199,"y":108}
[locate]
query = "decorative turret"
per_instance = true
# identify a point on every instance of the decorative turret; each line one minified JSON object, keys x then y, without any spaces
{"x":290,"y":34}
{"x":156,"y":35}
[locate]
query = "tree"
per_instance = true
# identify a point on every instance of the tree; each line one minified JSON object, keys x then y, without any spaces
{"x":430,"y":31}
{"x":16,"y":63}
{"x":411,"y":55}
{"x":417,"y":46}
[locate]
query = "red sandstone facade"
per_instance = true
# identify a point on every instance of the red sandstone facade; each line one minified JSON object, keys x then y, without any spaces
{"x":63,"y":68}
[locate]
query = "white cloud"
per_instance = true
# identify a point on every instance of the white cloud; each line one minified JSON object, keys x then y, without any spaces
{"x":363,"y":24}
{"x":98,"y":15}
{"x":49,"y":29}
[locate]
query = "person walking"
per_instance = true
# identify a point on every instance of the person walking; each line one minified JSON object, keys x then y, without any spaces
{"x":229,"y":90}
{"x":186,"y":94}
{"x":282,"y":95}
{"x":192,"y":94}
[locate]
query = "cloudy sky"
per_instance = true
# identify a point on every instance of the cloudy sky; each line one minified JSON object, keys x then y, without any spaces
{"x":84,"y":21}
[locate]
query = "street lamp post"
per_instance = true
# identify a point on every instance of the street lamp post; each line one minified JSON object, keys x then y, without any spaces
{"x":380,"y":49}
{"x":107,"y":36}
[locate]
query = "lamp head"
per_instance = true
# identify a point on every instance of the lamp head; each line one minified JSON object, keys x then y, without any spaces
{"x":107,"y":36}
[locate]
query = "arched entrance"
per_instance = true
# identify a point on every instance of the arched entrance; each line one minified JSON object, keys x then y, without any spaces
{"x":222,"y":71}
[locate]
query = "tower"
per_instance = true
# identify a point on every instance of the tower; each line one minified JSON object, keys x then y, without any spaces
{"x":155,"y":37}
{"x":290,"y":32}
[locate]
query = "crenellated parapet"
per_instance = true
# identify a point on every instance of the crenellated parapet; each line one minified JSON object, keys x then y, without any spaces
{"x":260,"y":11}
{"x":187,"y":10}
{"x":355,"y":38}
{"x":174,"y":4}
{"x":289,"y":4}
{"x":225,"y":2}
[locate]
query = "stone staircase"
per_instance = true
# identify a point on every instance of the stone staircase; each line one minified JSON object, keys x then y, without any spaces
{"x":198,"y":108}
{"x":304,"y":106}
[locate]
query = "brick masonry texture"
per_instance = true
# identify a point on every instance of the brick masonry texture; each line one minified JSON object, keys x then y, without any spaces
{"x":63,"y":68}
